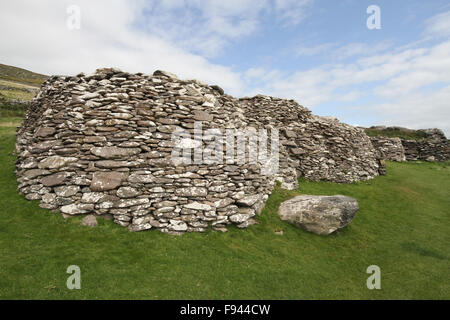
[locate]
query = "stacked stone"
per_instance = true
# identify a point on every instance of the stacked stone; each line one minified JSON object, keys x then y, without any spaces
{"x":434,"y":147}
{"x":102,"y":144}
{"x":389,"y":148}
{"x":321,"y":148}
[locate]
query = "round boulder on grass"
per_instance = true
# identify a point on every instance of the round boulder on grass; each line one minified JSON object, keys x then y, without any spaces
{"x":319,"y":214}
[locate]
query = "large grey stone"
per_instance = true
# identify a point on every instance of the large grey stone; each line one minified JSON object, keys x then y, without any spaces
{"x":319,"y":214}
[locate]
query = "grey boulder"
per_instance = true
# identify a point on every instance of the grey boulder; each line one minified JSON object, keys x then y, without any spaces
{"x":319,"y":214}
{"x":89,"y":221}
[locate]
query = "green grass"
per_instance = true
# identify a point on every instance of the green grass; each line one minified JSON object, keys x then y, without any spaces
{"x":16,"y":94}
{"x":402,"y":226}
{"x":17,"y":85}
{"x":396,"y":133}
{"x":8,"y":109}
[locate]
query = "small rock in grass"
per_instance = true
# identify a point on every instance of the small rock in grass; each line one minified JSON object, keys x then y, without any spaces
{"x":90,"y":221}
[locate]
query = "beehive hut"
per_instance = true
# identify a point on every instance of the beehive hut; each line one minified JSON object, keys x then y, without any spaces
{"x":104,"y":144}
{"x":322,"y":147}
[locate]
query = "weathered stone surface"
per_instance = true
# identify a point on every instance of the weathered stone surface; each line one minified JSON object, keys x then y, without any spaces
{"x":198,"y":206}
{"x":127,"y":192}
{"x":92,"y":197}
{"x":319,"y":214}
{"x":111,"y":164}
{"x":433,"y":146}
{"x":33,"y":173}
{"x":42,"y":146}
{"x":202,"y":116}
{"x":56,"y":162}
{"x":102,"y":181}
{"x":66,"y":191}
{"x":223,"y":202}
{"x":240,"y":217}
{"x":125,"y":203}
{"x":48,"y":198}
{"x":192,"y":192}
{"x":177,"y":225}
{"x":54,"y":179}
{"x":249,"y":201}
{"x":114,"y":152}
{"x":75,"y":209}
{"x":45,"y":131}
{"x":89,"y":221}
{"x":141,"y":178}
{"x":94,"y":139}
{"x":320,"y":148}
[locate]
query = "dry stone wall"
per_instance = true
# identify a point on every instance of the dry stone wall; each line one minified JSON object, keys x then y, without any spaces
{"x":433,"y":146}
{"x":102,"y":144}
{"x":321,"y":147}
{"x":389,"y":148}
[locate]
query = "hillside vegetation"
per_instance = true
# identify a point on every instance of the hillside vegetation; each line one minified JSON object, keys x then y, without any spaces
{"x":396,"y":133}
{"x":21,"y":76}
{"x":17,"y":87}
{"x":403,"y":226}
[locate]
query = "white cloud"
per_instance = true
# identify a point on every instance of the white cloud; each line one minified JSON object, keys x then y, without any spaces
{"x":205,"y":27}
{"x":408,"y":87}
{"x":292,"y":11}
{"x":303,"y":50}
{"x":35,"y":36}
{"x":438,"y":25}
{"x":208,"y":26}
{"x":418,"y":110}
{"x":335,"y":51}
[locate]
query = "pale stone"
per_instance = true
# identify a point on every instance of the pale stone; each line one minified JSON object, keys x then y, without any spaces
{"x":319,"y":214}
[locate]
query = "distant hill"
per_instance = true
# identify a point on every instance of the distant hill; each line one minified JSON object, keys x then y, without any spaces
{"x":10,"y":73}
{"x":17,"y":87}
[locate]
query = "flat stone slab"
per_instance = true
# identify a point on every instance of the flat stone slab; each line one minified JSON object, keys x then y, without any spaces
{"x":102,"y":181}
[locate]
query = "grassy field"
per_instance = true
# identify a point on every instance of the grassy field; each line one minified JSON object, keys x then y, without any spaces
{"x":10,"y":110}
{"x":403,"y":226}
{"x":17,"y":94}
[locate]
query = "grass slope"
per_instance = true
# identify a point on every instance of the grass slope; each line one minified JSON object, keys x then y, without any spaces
{"x":402,"y":226}
{"x":9,"y":109}
{"x":20,"y":75}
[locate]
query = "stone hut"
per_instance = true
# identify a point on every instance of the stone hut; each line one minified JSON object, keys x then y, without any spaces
{"x":104,"y":144}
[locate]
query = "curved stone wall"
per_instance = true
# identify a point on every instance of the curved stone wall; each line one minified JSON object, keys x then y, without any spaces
{"x":104,"y":144}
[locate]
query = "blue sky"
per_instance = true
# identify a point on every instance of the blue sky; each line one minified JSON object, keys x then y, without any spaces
{"x":319,"y":52}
